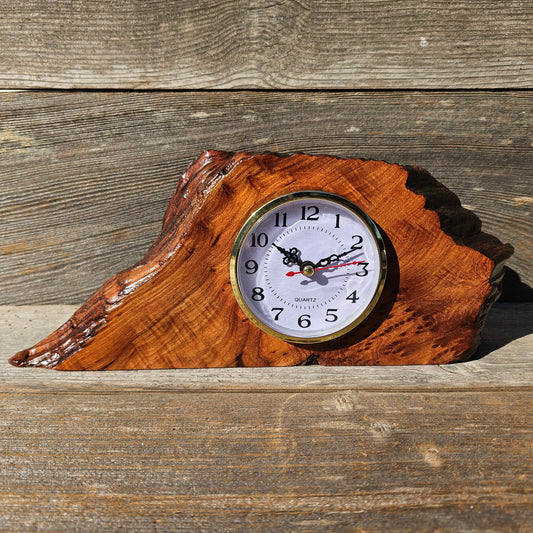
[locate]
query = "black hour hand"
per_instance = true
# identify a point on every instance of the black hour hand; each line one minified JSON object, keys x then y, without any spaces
{"x":291,"y":257}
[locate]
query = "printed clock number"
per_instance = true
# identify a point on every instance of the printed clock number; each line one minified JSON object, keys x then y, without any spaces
{"x":352,"y":297}
{"x":260,"y":240}
{"x":310,"y":212}
{"x":258,"y":294}
{"x":251,"y":266}
{"x":280,"y":220}
{"x":363,"y":272}
{"x":277,"y":311}
{"x":355,"y":245}
{"x":331,"y":316}
{"x":304,"y":321}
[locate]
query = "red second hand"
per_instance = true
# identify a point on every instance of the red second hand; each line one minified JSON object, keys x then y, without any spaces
{"x":291,"y":273}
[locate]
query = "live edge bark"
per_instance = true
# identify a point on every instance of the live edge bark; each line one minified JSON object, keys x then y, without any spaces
{"x":176,"y":309}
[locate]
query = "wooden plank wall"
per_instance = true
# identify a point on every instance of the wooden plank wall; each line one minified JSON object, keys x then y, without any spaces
{"x":292,"y":44}
{"x":86,"y":174}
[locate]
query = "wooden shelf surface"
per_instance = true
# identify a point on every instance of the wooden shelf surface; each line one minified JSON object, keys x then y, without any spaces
{"x":309,"y":448}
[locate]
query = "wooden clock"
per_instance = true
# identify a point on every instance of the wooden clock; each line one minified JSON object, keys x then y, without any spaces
{"x":274,"y":261}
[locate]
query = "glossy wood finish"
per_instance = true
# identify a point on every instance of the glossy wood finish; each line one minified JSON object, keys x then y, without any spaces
{"x":176,"y":309}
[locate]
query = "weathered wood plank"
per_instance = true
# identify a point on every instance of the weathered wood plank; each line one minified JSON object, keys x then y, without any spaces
{"x":503,"y":362}
{"x":86,"y":177}
{"x":311,"y":461}
{"x":299,"y":44}
{"x":309,"y":448}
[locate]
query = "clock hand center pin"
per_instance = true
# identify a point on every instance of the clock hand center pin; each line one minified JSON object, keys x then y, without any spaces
{"x":309,"y":270}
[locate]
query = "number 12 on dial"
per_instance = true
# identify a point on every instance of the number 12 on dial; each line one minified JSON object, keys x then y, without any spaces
{"x":308,"y":267}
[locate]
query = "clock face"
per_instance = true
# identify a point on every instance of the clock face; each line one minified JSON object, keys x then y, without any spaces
{"x":308,"y":267}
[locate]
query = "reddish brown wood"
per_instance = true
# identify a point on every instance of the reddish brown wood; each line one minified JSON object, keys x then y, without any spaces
{"x":176,"y":307}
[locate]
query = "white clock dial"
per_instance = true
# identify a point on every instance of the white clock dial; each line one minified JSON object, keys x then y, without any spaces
{"x":308,"y":267}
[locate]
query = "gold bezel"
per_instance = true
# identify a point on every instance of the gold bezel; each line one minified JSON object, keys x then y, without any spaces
{"x":258,"y":215}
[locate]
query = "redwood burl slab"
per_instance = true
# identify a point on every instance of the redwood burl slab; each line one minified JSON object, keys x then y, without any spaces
{"x":176,"y":308}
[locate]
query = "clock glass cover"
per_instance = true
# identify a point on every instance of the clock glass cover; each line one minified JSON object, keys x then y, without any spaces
{"x":308,"y":266}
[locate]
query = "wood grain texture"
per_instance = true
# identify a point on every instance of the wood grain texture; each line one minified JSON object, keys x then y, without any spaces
{"x":86,"y":177}
{"x":175,"y":309}
{"x":309,"y":461}
{"x":503,"y":361}
{"x":269,"y":449}
{"x":296,"y":44}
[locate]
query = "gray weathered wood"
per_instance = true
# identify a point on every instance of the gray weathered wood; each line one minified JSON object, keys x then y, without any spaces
{"x":274,"y":449}
{"x":503,"y":361}
{"x":296,"y":44}
{"x":86,"y":177}
{"x":278,"y":461}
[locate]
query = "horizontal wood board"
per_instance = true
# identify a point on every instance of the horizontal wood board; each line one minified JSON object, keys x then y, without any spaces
{"x":503,"y":361}
{"x":86,"y":176}
{"x":310,"y":461}
{"x":300,"y":44}
{"x":305,"y":448}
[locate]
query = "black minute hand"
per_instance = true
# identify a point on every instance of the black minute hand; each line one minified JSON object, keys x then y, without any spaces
{"x":292,"y":256}
{"x":333,"y":258}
